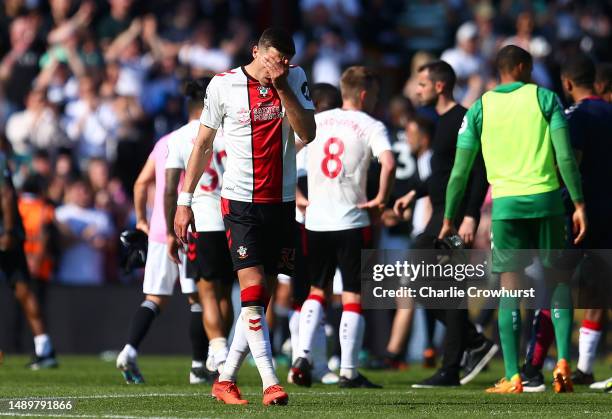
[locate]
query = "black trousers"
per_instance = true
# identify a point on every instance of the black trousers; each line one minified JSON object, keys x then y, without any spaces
{"x":461,"y":334}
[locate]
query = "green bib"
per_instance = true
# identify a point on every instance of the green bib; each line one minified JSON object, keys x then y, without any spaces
{"x":516,"y":144}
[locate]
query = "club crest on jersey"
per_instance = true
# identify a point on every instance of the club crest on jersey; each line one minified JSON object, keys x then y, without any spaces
{"x":242,"y":252}
{"x":263,"y":91}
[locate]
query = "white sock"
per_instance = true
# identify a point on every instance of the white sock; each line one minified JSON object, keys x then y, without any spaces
{"x":294,"y":327}
{"x":131,"y":351}
{"x":352,"y":326}
{"x":258,"y":336}
{"x":587,"y":347}
{"x":237,"y":352}
{"x":42,"y":345}
{"x":197,"y":364}
{"x":218,"y":346}
{"x":310,"y":318}
{"x":319,"y":348}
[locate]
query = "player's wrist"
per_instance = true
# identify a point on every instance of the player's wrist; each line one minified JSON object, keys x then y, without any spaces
{"x":184,"y":199}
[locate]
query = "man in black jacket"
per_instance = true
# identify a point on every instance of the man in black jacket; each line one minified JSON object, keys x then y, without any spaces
{"x":436,"y":81}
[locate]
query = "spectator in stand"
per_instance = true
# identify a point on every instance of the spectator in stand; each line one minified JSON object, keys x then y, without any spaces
{"x":423,"y":25}
{"x":91,"y":123}
{"x":202,"y":55}
{"x":116,"y":21}
{"x":468,"y":64}
{"x":36,"y":127}
{"x":86,"y":234}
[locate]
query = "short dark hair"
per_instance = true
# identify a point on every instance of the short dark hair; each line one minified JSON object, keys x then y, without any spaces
{"x":510,"y":56}
{"x":425,"y":125}
{"x":34,"y":184}
{"x":441,"y":71}
{"x":356,"y":79}
{"x":603,"y":76}
{"x":277,"y":38}
{"x":580,"y":69}
{"x":195,"y":92}
{"x":325,"y":97}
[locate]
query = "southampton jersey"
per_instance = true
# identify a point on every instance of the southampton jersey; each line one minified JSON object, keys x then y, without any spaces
{"x":338,"y":161}
{"x":206,"y":203}
{"x":259,"y":141}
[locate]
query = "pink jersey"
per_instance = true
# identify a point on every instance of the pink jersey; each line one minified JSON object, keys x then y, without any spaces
{"x":259,"y":141}
{"x":157,"y":224}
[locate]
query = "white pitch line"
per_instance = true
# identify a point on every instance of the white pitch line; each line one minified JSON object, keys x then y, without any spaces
{"x":71,"y":415}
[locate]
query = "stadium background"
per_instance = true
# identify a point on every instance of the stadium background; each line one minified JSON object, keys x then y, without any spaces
{"x":87,"y":87}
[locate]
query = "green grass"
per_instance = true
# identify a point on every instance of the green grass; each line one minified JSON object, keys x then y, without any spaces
{"x":97,"y":390}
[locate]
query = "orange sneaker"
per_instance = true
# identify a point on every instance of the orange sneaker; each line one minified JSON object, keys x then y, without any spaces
{"x":275,"y":395}
{"x":227,"y":392}
{"x":504,"y":386}
{"x":562,"y":378}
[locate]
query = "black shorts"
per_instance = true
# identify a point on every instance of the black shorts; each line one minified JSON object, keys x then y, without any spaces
{"x":342,"y":249}
{"x":260,"y":234}
{"x":208,"y":257}
{"x":14,"y":266}
{"x":300,"y":282}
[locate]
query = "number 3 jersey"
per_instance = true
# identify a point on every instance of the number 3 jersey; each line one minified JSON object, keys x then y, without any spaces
{"x":259,"y":140}
{"x":337,"y":166}
{"x":206,"y":203}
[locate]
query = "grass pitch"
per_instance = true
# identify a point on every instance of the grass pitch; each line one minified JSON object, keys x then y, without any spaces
{"x":96,"y":389}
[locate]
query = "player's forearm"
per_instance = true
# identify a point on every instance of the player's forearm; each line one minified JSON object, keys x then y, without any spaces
{"x":567,"y":164}
{"x":477,"y":188}
{"x":457,"y":183}
{"x":140,"y":201}
{"x":7,"y":196}
{"x":199,"y":158}
{"x":301,"y":120}
{"x":170,"y":196}
{"x":387,"y":176}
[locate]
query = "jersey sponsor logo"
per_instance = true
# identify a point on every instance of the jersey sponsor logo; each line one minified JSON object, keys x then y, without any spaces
{"x":464,"y":125}
{"x":267,"y":113}
{"x":243,"y":116}
{"x":305,"y":90}
{"x":242,"y":252}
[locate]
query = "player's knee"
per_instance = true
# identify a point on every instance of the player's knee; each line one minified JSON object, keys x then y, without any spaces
{"x":351,"y":298}
{"x":159,"y":300}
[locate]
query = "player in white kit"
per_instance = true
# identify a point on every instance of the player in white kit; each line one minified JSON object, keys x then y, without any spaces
{"x":208,"y":258}
{"x":338,"y":217}
{"x":161,"y":273}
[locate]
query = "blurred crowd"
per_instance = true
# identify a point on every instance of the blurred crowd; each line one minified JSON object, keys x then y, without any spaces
{"x":87,"y":87}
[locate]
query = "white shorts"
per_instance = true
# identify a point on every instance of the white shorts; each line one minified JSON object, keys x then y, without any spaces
{"x":161,"y":272}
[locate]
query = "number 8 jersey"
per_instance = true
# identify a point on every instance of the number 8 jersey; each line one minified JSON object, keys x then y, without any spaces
{"x":206,"y":204}
{"x":337,"y":166}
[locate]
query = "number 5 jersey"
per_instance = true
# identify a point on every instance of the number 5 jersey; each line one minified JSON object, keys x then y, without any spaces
{"x":206,"y":204}
{"x":337,"y":166}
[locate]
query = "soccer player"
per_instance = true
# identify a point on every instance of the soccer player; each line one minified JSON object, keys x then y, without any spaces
{"x":14,"y":267}
{"x":338,"y":219}
{"x":208,"y":258}
{"x":522,"y":132}
{"x":436,"y":82}
{"x":324,"y":97}
{"x":259,"y":106}
{"x":160,"y":272}
{"x":603,"y":81}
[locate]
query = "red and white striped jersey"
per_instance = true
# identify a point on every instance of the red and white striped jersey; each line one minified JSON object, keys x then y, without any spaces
{"x":259,"y":141}
{"x":337,"y":162}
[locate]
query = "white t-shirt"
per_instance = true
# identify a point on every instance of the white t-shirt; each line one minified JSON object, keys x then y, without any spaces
{"x":302,"y":170}
{"x":259,"y":141}
{"x":206,"y":203}
{"x":338,"y":161}
{"x":81,"y":263}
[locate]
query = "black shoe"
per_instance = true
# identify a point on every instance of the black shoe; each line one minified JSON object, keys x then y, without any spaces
{"x":43,"y":362}
{"x":358,"y":382}
{"x":301,"y":372}
{"x":441,"y":378}
{"x":202,"y":375}
{"x":582,"y":379}
{"x":533,"y":383}
{"x":477,"y":359}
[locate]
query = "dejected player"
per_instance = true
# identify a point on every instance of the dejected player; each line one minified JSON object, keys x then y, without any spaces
{"x":259,"y":106}
{"x":338,"y":219}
